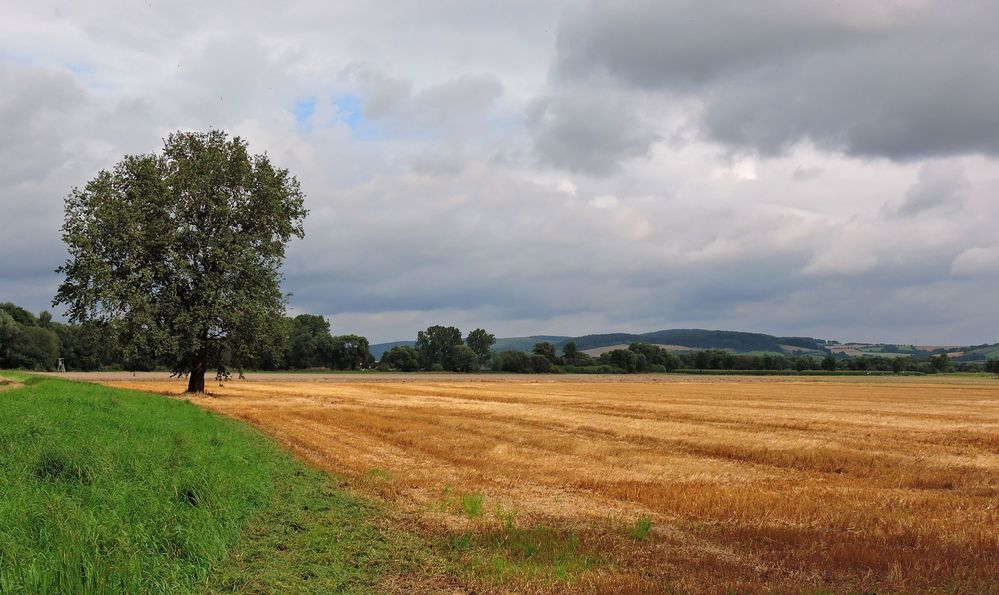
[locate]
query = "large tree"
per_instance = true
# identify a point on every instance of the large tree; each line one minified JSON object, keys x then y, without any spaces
{"x":403,"y":358}
{"x":481,"y":342}
{"x":310,"y":344}
{"x":547,"y":351}
{"x":350,"y":352}
{"x":178,"y":254}
{"x":436,"y":345}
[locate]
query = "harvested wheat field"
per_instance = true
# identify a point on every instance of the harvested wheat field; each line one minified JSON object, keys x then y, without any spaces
{"x":754,"y":484}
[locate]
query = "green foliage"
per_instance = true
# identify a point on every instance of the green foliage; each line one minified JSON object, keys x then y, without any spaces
{"x":641,"y":528}
{"x":511,"y":555}
{"x":26,"y":346}
{"x":570,"y":354}
{"x":312,"y":537}
{"x":597,"y":369}
{"x":699,"y":339}
{"x":112,"y":491}
{"x":19,"y":314}
{"x":310,"y":344}
{"x":941,"y":363}
{"x":463,"y":360}
{"x":115,"y":491}
{"x":9,"y":333}
{"x":480,"y":342}
{"x":471,"y":505}
{"x":542,"y":365}
{"x":350,"y":352}
{"x":655,"y":357}
{"x":511,"y":361}
{"x":625,"y":359}
{"x":547,"y":351}
{"x":403,"y":358}
{"x":437,"y":345}
{"x":525,"y":343}
{"x":179,"y":253}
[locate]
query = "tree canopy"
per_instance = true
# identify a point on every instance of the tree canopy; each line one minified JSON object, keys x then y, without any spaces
{"x":480,"y":342}
{"x":436,"y":346}
{"x":177,"y":255}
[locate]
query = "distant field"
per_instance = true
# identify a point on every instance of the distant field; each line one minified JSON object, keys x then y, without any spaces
{"x":662,"y":482}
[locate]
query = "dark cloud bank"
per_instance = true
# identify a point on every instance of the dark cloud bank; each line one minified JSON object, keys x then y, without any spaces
{"x":781,"y":166}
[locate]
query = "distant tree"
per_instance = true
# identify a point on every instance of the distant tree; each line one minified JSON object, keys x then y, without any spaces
{"x":670,"y":362}
{"x":540,"y":364}
{"x":436,"y":345}
{"x":547,"y":351}
{"x":35,"y":348}
{"x":656,"y":356}
{"x":24,"y":344}
{"x":179,"y":253}
{"x":941,"y":363}
{"x":570,"y":353}
{"x":625,"y":359}
{"x":403,"y":358}
{"x":511,"y":361}
{"x":992,"y":365}
{"x":463,"y":360}
{"x":10,"y":332}
{"x":350,"y":352}
{"x":19,"y":314}
{"x":310,"y":344}
{"x":829,"y":363}
{"x":480,"y":342}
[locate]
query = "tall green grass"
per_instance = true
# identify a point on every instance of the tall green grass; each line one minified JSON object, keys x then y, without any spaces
{"x":107,"y":491}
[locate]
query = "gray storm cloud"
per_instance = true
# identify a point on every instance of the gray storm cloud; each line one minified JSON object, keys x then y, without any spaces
{"x":902,"y":80}
{"x":551,"y":167}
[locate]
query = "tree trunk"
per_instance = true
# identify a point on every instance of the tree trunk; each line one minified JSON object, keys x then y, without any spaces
{"x":196,"y":381}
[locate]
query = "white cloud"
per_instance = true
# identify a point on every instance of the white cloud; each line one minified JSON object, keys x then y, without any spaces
{"x":463,"y":167}
{"x":977,"y":261}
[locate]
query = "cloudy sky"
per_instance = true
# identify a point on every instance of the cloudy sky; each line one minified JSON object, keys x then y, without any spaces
{"x":784,"y":166}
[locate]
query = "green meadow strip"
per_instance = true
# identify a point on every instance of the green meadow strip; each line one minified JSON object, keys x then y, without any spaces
{"x":108,"y":491}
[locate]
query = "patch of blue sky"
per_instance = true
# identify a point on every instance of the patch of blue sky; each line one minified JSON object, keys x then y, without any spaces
{"x":84,"y":73}
{"x":350,"y":112}
{"x":304,"y":110}
{"x":9,"y":55}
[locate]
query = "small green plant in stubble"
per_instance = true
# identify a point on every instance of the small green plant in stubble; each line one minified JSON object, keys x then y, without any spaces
{"x":504,"y":555}
{"x":640,"y":530}
{"x":471,"y":505}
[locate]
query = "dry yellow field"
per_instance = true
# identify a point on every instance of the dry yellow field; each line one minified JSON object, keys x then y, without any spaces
{"x":753,"y":484}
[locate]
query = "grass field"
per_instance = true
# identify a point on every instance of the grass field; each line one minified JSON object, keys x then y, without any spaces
{"x":685,"y":484}
{"x":110,"y":491}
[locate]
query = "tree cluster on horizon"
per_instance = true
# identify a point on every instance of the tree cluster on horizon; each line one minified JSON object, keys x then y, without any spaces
{"x":306,"y":342}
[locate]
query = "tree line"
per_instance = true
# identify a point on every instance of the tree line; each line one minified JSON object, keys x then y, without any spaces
{"x":307,"y":342}
{"x":37,"y":342}
{"x":441,"y":348}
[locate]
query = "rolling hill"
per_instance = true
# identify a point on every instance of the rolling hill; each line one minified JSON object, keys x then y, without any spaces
{"x":734,"y":341}
{"x":502,"y":344}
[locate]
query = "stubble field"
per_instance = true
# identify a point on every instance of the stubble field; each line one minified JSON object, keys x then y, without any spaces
{"x":661,"y":483}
